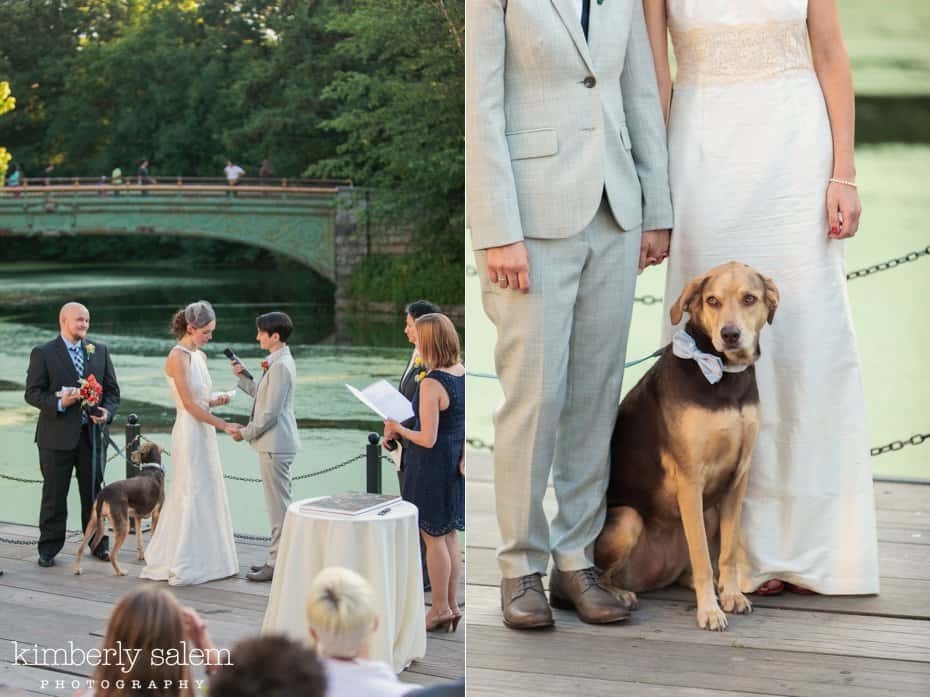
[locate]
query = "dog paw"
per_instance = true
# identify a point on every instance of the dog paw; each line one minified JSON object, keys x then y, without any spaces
{"x":736,"y":603}
{"x":120,"y":572}
{"x":77,"y":572}
{"x":712,"y":618}
{"x":626,"y":598}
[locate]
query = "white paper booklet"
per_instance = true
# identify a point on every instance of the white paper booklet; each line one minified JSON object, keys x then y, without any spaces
{"x":384,"y":400}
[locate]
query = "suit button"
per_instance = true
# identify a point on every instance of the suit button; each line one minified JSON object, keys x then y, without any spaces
{"x":589,"y":81}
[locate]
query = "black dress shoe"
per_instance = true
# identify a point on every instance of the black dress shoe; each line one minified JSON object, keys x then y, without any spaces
{"x":46,"y":561}
{"x":102,"y":550}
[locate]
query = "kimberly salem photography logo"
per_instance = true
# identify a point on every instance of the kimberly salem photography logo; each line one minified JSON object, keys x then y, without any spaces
{"x":125,"y":658}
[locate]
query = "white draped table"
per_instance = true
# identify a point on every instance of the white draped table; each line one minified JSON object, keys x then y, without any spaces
{"x":384,"y":549}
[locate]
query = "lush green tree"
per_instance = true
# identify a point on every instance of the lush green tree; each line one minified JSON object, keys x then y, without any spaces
{"x":7,"y":103}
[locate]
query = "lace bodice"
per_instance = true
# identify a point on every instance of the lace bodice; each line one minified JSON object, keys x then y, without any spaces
{"x":198,"y":379}
{"x":718,"y":42}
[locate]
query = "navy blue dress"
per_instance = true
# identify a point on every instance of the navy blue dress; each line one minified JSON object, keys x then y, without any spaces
{"x":431,"y":475}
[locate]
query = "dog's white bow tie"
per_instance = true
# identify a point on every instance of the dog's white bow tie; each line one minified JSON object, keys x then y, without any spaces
{"x":684,"y":346}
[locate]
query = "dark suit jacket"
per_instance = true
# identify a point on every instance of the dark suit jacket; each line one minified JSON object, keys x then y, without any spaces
{"x":50,"y":369}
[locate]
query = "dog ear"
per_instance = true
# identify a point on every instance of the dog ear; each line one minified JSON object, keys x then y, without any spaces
{"x":691,"y":294}
{"x":771,"y":297}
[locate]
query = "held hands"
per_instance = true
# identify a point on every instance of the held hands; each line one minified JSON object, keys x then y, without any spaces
{"x":509,"y":266}
{"x":234,"y":430}
{"x":843,"y":211}
{"x":653,"y":248}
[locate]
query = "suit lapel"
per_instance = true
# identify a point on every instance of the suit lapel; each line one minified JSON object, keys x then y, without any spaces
{"x":62,"y":350}
{"x":570,"y":13}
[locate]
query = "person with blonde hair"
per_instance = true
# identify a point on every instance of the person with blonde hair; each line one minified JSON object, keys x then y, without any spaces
{"x":341,"y":617}
{"x":434,"y":478}
{"x":151,"y":623}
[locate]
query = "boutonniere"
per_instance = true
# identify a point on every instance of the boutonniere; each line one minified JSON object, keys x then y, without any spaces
{"x":419,"y":376}
{"x":265,"y":366}
{"x":90,"y":348}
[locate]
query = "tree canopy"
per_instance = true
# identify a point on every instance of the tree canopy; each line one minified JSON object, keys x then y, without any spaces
{"x":369,"y":90}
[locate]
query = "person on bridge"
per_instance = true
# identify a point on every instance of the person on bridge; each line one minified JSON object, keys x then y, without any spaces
{"x":116,"y":179}
{"x":233,"y":172}
{"x":142,"y":175}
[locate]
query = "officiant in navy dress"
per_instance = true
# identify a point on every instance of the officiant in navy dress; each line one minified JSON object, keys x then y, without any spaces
{"x":65,"y":430}
{"x":408,"y":387}
{"x":433,"y":465}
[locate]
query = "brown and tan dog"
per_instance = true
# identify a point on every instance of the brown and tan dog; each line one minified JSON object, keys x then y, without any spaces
{"x":137,"y":498}
{"x":680,"y":452}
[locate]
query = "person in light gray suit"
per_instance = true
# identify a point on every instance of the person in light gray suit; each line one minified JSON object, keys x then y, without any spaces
{"x":567,"y":196}
{"x":272,"y":428}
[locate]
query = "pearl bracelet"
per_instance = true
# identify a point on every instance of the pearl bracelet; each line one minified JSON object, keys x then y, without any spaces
{"x":843,"y":181}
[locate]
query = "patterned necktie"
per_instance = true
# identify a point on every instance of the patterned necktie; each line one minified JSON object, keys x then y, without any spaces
{"x":78,"y":359}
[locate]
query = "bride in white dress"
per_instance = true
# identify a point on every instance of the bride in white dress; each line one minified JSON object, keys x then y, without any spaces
{"x":762,"y":172}
{"x":193,"y":542}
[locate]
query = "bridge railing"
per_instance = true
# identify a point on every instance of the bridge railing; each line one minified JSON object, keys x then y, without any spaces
{"x":67,"y":187}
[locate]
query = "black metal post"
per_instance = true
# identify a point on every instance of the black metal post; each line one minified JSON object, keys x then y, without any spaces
{"x":373,"y":470}
{"x":133,"y":433}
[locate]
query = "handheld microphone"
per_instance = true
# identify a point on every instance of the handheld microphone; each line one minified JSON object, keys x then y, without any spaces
{"x":235,"y":359}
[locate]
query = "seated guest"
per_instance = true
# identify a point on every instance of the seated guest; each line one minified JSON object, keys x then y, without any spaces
{"x":433,"y":465}
{"x":341,"y":616}
{"x":150,"y":622}
{"x":270,"y":666}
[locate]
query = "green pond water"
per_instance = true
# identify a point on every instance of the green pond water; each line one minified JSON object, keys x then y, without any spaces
{"x":130,"y":312}
{"x":890,"y":311}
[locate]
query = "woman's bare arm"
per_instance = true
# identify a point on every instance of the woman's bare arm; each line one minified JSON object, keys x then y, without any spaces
{"x":657,"y":29}
{"x":433,"y":399}
{"x":831,"y":63}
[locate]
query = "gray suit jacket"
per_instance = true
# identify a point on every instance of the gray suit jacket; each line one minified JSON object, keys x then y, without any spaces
{"x":553,"y":120}
{"x":273,"y":426}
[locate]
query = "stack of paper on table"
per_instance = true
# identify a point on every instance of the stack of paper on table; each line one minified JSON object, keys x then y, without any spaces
{"x":349,"y":504}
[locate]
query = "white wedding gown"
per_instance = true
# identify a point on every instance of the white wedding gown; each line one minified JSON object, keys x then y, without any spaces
{"x":750,"y":153}
{"x":193,"y":542}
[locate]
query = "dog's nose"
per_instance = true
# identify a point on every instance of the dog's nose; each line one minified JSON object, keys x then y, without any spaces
{"x":730,"y":335}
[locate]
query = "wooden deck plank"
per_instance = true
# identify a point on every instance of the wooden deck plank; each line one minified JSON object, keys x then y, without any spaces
{"x":765,"y":628}
{"x":506,"y":683}
{"x":790,"y":645}
{"x":616,"y":657}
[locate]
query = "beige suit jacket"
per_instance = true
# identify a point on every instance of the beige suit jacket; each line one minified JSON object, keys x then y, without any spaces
{"x":553,"y":121}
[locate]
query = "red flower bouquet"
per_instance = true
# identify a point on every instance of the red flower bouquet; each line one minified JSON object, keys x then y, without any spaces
{"x":90,"y":393}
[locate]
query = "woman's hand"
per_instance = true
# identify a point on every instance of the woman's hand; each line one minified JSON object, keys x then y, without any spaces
{"x":843,"y":210}
{"x":195,"y":628}
{"x":391,"y":429}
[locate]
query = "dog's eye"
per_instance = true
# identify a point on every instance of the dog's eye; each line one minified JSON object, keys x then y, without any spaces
{"x":712,"y":301}
{"x":749,"y":299}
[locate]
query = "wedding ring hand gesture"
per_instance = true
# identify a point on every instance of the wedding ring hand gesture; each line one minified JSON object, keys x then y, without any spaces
{"x":509,"y":266}
{"x":653,"y":248}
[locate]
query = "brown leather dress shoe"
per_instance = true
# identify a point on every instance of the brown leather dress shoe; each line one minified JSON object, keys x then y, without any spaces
{"x":523,"y":602}
{"x":582,"y":592}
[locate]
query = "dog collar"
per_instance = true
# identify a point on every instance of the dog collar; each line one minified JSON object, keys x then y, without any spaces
{"x":684,"y":346}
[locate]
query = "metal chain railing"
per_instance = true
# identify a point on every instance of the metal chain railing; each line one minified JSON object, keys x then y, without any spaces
{"x":888,"y":265}
{"x":893,"y":446}
{"x":896,"y":445}
{"x":470,"y":270}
